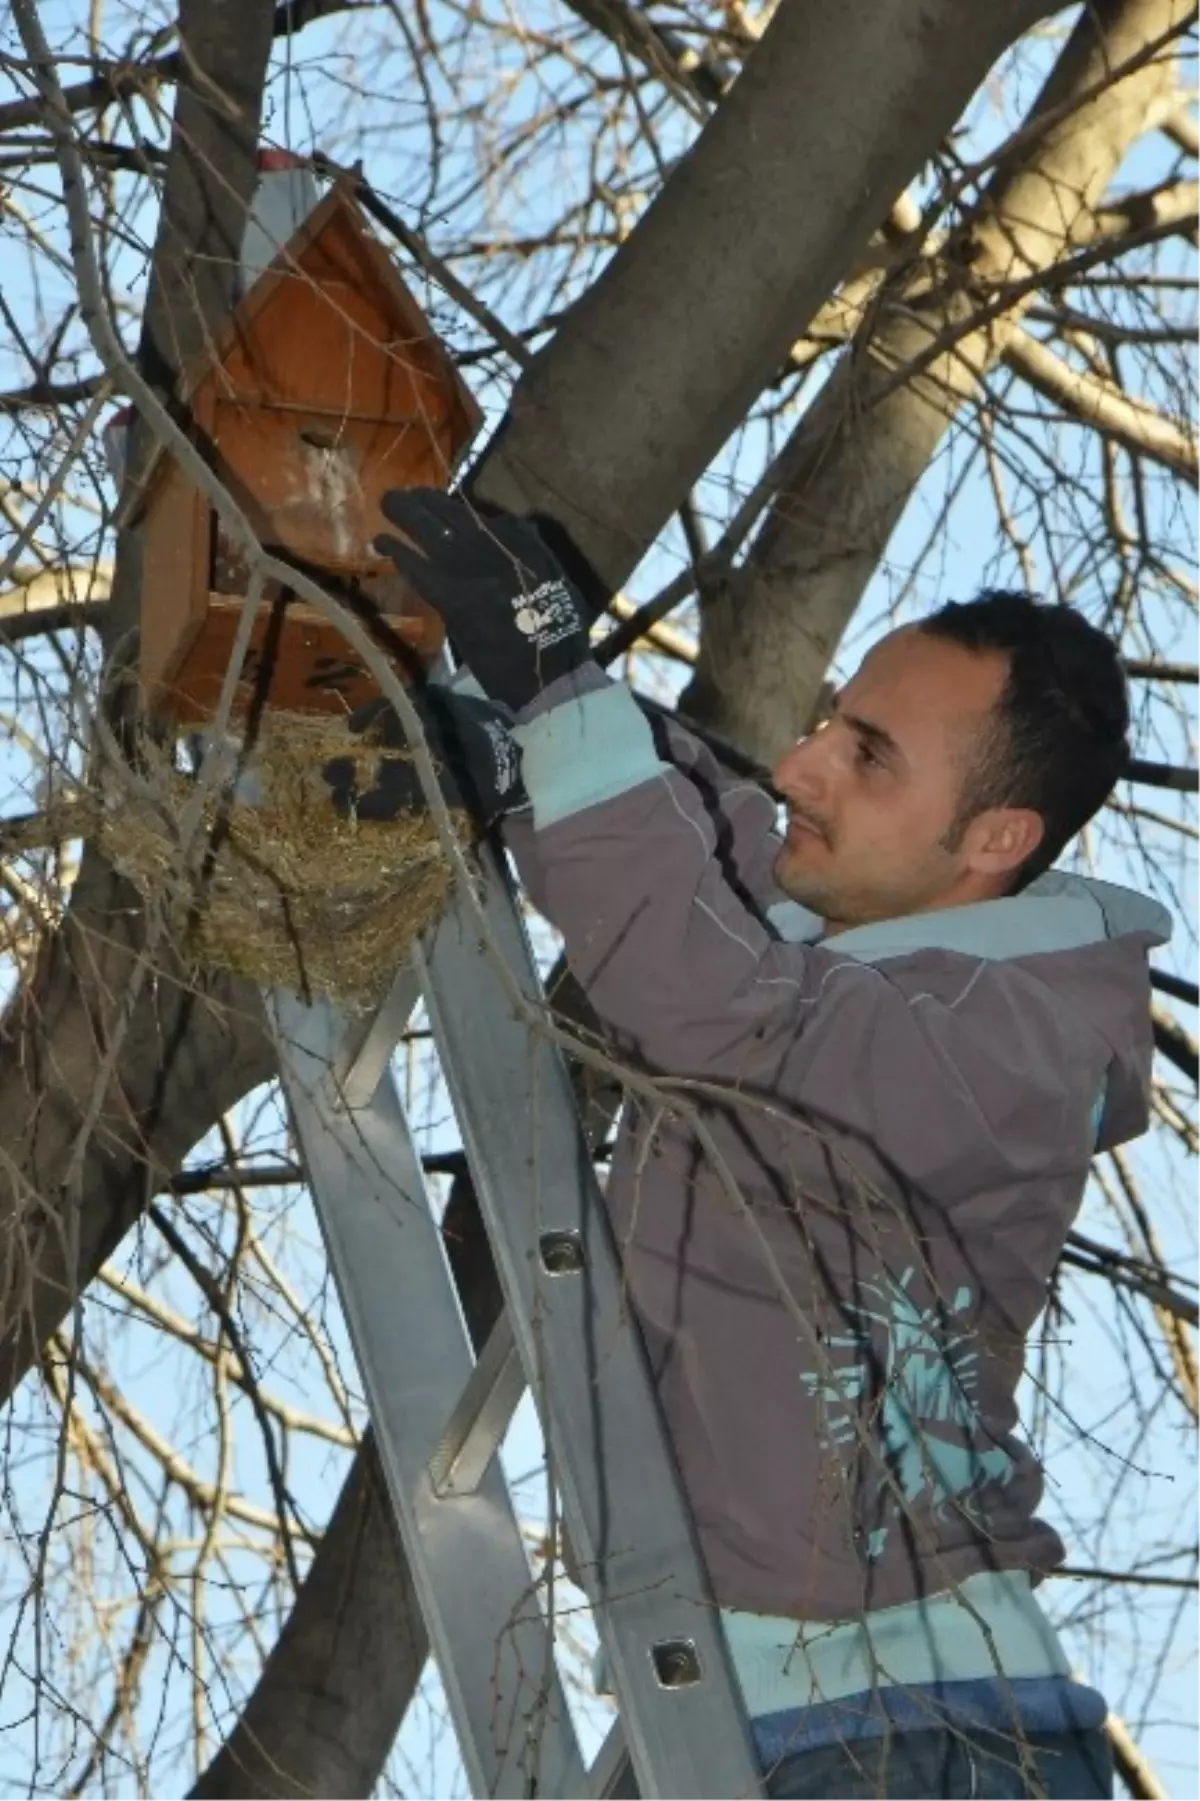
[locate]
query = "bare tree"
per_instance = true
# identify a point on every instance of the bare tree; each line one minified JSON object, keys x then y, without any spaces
{"x":765,"y":307}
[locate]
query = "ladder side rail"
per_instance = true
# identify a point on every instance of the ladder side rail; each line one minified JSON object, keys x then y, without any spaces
{"x":470,"y":1569}
{"x":630,"y":1523}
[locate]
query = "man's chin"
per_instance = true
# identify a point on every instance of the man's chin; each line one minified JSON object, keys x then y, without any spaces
{"x":800,"y":883}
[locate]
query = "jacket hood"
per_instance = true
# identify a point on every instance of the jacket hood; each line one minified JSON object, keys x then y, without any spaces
{"x":1058,"y":913}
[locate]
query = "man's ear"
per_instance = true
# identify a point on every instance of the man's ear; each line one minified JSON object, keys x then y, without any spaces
{"x":1000,"y":839}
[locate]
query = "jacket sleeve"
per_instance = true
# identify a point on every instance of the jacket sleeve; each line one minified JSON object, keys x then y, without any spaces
{"x":672,"y":956}
{"x":946,"y":1064}
{"x":742,"y":814}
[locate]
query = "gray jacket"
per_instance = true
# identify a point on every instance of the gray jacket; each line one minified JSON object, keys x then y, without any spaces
{"x":836,"y":1275}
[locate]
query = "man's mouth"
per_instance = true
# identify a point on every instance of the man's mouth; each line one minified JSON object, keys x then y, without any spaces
{"x":803,"y":827}
{"x":800,"y":827}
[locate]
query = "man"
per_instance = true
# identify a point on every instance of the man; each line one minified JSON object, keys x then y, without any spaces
{"x":889,"y":1044}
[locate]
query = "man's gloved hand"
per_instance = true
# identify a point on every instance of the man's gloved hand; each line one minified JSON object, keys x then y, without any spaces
{"x":478,"y":761}
{"x":513,"y":615}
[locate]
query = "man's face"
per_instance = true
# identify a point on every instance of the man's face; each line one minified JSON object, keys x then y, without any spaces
{"x":872,"y":793}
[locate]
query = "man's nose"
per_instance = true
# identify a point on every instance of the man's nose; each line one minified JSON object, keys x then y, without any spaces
{"x":798,"y":771}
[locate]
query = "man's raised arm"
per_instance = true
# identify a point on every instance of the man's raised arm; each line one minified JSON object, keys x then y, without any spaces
{"x":677,"y":958}
{"x":637,"y":864}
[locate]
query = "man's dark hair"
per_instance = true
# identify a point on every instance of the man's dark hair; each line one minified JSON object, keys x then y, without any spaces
{"x":1059,"y":738}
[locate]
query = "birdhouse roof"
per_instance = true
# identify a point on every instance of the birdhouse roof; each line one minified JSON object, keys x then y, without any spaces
{"x":335,"y":216}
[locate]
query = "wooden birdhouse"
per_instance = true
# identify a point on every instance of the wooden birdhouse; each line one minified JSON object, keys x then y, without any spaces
{"x":327,"y":387}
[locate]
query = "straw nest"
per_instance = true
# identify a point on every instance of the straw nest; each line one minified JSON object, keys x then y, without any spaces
{"x":279,"y":887}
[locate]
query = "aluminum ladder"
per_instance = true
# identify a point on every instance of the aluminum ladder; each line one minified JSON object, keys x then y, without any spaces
{"x":566,"y":1333}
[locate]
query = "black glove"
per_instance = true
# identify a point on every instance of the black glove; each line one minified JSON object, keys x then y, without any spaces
{"x":508,"y":606}
{"x":477,"y":759}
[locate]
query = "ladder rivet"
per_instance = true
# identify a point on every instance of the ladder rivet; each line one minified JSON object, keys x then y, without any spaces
{"x":676,"y":1663}
{"x":561,"y":1253}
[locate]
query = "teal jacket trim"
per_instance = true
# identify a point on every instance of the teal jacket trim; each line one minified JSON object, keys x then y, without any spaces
{"x":1057,"y":912}
{"x":990,"y":1625}
{"x":586,"y":751}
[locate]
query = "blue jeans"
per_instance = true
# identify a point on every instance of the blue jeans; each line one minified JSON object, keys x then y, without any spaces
{"x":947,"y":1766}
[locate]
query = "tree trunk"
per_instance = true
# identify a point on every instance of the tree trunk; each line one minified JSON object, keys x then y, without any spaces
{"x":71,"y":1184}
{"x":336,"y":1683}
{"x":84,"y":1146}
{"x":837,"y":107}
{"x":863,"y":446}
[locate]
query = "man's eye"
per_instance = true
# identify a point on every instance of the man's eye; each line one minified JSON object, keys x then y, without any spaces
{"x":867,"y":757}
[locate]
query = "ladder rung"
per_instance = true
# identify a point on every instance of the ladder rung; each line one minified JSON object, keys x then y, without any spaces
{"x":361,"y":1065}
{"x":477,"y":1426}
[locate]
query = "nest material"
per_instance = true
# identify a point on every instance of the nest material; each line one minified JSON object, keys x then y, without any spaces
{"x":282,"y":889}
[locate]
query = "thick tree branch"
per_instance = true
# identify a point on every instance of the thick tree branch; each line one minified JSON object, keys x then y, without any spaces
{"x":1162,"y":775}
{"x":333,"y":1689}
{"x":1176,"y":1045}
{"x":1092,"y":401}
{"x":67,"y":615}
{"x":1181,"y":127}
{"x":1172,"y":205}
{"x":43,"y":600}
{"x":1133,"y":1767}
{"x":867,"y":439}
{"x":49,"y":396}
{"x":1164,"y":210}
{"x":1175,"y":986}
{"x":832,"y":139}
{"x":1151,"y":670}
